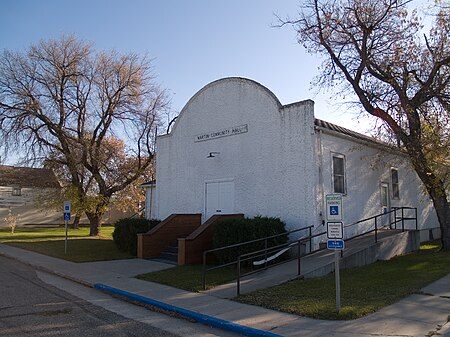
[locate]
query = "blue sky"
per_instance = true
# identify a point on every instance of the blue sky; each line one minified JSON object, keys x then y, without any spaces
{"x":192,"y":42}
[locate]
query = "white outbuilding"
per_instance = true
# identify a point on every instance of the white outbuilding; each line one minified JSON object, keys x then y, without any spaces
{"x":236,"y":149}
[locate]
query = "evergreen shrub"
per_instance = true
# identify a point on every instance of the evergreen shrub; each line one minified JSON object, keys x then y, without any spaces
{"x":126,"y":230}
{"x":232,"y":231}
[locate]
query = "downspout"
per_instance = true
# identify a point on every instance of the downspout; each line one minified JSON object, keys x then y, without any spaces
{"x":321,"y":187}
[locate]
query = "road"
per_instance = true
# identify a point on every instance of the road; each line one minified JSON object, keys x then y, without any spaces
{"x":31,"y":307}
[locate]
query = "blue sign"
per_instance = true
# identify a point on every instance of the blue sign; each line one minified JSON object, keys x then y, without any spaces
{"x":334,"y":210}
{"x":66,"y":216}
{"x":335,"y":244}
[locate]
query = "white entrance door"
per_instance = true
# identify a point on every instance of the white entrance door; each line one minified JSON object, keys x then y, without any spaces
{"x":219,"y":198}
{"x":385,"y":204}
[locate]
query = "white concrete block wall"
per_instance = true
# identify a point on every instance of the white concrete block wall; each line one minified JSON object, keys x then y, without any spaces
{"x":264,"y":162}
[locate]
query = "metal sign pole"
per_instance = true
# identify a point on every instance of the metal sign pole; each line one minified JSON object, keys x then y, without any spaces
{"x":338,"y":280}
{"x":67,"y":209}
{"x":335,"y":235}
{"x":65,"y":242}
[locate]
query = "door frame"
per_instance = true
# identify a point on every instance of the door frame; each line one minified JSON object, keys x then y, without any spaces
{"x":385,"y":219}
{"x":205,"y":197}
{"x":385,"y":185}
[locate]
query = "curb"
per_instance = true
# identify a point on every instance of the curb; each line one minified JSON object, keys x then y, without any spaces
{"x":200,"y":318}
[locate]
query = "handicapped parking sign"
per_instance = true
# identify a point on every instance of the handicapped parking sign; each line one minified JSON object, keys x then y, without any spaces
{"x":67,"y":208}
{"x":334,"y":207}
{"x":334,"y":210}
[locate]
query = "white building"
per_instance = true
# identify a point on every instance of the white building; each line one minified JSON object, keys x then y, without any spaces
{"x":22,"y":189}
{"x":236,"y":149}
{"x":25,"y":192}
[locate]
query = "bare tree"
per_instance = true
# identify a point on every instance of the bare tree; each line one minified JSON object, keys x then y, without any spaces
{"x":375,"y":50}
{"x":65,"y":102}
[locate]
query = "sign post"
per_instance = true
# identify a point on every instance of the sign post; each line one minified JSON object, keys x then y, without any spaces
{"x":335,"y":234}
{"x":338,"y":280}
{"x":67,"y":209}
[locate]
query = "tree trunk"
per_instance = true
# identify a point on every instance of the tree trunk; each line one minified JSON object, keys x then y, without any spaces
{"x":76,"y":221}
{"x":443,"y":212}
{"x":95,"y":220}
{"x":435,"y":188}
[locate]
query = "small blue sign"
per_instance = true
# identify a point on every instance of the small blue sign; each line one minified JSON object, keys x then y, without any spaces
{"x":335,"y":244}
{"x":66,"y":216}
{"x":334,"y":210}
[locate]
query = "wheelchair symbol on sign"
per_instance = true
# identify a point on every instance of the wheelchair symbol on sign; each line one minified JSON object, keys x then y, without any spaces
{"x":334,"y":210}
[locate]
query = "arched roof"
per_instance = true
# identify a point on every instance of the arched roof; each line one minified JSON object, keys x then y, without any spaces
{"x":250,"y":82}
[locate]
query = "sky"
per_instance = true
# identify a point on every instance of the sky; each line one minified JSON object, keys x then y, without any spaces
{"x":192,"y":43}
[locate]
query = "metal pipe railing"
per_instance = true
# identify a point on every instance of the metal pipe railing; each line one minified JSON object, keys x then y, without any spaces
{"x":298,"y":243}
{"x":210,"y":251}
{"x":252,"y":255}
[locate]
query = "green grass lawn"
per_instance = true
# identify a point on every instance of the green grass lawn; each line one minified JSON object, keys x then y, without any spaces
{"x":80,"y":246}
{"x":363,"y":290}
{"x":190,"y":277}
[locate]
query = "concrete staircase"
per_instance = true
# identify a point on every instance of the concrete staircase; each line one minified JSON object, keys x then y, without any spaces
{"x":170,"y":254}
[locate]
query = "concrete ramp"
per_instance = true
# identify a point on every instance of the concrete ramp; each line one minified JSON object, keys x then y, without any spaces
{"x":358,"y":252}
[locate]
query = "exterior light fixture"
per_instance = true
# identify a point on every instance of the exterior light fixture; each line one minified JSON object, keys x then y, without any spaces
{"x":212,"y":154}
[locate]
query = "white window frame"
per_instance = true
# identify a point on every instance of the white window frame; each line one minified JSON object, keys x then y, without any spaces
{"x":340,"y":156}
{"x":383,"y":202}
{"x":393,"y":195}
{"x":16,"y":191}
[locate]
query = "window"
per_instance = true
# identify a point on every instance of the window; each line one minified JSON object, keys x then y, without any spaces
{"x":339,"y":173}
{"x":395,"y":185}
{"x":16,"y":191}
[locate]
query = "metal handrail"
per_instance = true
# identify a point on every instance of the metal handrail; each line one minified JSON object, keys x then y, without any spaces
{"x":265,"y":239}
{"x":391,"y":223}
{"x":248,"y":256}
{"x":297,"y":243}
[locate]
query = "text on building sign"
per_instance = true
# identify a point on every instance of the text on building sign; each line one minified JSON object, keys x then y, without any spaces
{"x":234,"y":130}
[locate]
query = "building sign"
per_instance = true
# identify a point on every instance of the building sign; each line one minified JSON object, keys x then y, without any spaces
{"x":234,"y":130}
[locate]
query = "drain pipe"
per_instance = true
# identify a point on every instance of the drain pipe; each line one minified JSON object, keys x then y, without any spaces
{"x":321,"y":187}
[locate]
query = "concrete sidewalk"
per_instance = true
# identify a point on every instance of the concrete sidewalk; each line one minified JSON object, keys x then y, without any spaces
{"x":416,"y":315}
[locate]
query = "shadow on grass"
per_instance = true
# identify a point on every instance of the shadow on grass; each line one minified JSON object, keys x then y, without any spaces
{"x":78,"y":250}
{"x":364,"y":290}
{"x":189,"y":277}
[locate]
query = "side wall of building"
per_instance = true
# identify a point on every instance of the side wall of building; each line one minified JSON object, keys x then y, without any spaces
{"x":150,"y":202}
{"x":367,"y":170}
{"x":24,"y":206}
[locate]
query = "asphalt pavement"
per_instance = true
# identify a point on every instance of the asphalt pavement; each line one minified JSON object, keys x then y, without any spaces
{"x":30,"y":307}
